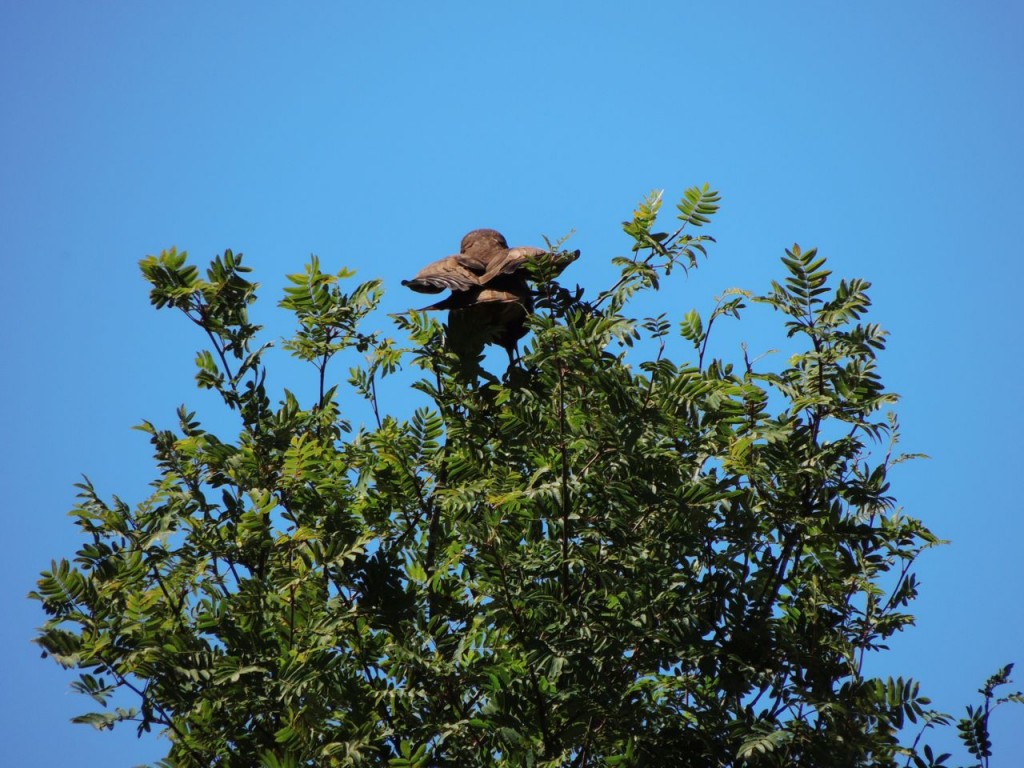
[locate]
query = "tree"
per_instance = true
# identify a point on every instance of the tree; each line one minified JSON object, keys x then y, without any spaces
{"x":601,"y":557}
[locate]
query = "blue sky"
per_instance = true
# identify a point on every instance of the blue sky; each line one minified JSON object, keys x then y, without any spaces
{"x":374,"y":135}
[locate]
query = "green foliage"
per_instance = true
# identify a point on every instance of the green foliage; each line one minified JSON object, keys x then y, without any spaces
{"x":973,"y":728}
{"x":603,"y":557}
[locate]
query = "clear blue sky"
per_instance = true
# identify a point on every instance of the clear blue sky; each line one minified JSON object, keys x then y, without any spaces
{"x":889,"y":135}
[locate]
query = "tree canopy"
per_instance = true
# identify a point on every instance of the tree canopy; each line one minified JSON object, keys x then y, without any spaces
{"x":596,"y":556}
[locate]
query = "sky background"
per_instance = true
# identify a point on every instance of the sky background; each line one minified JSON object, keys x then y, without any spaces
{"x":376,"y":134}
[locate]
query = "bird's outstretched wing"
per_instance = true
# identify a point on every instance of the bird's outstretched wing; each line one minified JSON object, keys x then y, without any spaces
{"x":516,"y":258}
{"x":446,"y":274}
{"x":509,"y":262}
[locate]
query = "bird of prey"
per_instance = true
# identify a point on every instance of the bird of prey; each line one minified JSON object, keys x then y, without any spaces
{"x":490,"y":298}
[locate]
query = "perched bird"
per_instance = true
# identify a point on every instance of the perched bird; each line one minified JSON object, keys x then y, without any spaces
{"x":483,"y":254}
{"x":490,"y":298}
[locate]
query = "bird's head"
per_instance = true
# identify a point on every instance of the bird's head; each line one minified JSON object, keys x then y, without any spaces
{"x":483,"y":240}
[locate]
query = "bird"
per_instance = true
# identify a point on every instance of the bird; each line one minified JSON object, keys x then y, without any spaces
{"x":490,"y":297}
{"x":483,"y":255}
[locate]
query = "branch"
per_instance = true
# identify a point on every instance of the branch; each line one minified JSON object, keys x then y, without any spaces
{"x":565,"y":480}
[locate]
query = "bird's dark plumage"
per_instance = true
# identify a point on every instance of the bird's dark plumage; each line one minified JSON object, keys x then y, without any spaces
{"x":490,"y":298}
